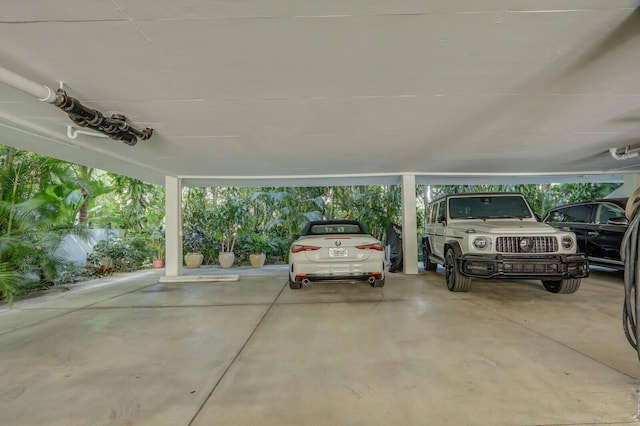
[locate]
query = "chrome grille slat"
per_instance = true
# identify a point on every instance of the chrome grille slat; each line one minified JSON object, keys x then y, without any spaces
{"x":540,"y":244}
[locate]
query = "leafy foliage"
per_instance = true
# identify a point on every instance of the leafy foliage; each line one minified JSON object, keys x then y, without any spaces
{"x":9,"y":280}
{"x":124,"y":254}
{"x":156,"y":243}
{"x":193,"y":238}
{"x":43,"y":200}
{"x":256,"y":243}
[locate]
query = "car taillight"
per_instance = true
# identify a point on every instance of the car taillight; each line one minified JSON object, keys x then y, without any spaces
{"x":296,"y":248}
{"x":376,"y":246}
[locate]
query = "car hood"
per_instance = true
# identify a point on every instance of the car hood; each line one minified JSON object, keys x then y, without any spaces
{"x":506,"y":227}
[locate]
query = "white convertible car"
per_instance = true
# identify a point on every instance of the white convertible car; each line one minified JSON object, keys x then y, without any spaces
{"x":336,"y":250}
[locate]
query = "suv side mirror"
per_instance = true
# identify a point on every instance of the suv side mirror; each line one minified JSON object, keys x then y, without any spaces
{"x":619,"y":220}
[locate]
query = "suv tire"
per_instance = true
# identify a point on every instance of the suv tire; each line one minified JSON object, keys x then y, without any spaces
{"x":567,"y":286}
{"x":455,"y":280}
{"x":428,"y":264}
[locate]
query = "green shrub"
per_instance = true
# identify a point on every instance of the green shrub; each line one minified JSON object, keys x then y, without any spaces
{"x":125,"y":254}
{"x":9,"y":280}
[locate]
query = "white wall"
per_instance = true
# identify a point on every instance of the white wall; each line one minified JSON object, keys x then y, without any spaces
{"x":76,"y":249}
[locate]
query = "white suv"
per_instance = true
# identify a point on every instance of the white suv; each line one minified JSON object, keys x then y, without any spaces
{"x":497,"y":235}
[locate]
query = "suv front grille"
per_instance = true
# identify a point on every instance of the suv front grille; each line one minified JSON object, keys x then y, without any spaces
{"x":539,"y":245}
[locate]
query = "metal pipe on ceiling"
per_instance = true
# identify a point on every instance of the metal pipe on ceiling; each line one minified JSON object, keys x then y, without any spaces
{"x":43,"y":93}
{"x":625,"y":154}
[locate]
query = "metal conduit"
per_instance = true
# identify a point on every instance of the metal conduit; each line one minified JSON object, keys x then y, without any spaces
{"x":115,"y":126}
{"x":29,"y":87}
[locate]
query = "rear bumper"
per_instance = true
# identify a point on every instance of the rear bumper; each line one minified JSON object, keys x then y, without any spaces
{"x":539,"y":266}
{"x":318,"y":271}
{"x":368,"y":276}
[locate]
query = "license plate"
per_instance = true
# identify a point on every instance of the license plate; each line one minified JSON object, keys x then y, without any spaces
{"x":337,"y":252}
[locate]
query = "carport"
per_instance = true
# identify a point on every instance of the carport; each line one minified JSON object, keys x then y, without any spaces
{"x":276,"y":93}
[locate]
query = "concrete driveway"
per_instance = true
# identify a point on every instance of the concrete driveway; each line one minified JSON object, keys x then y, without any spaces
{"x":129,"y":350}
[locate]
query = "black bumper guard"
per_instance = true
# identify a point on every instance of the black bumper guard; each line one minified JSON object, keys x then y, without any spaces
{"x":539,"y":266}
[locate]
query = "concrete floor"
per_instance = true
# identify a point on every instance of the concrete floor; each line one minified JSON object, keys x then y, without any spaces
{"x":133,"y":351}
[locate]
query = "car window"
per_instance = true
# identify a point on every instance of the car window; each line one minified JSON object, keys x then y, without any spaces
{"x":605,"y":212}
{"x":433,"y":218}
{"x":433,"y":211}
{"x":436,"y":212}
{"x":335,"y":229}
{"x":555,"y":215}
{"x":574,"y":214}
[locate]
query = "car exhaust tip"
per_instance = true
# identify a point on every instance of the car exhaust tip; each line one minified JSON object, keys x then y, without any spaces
{"x":372,"y":279}
{"x":305,"y":281}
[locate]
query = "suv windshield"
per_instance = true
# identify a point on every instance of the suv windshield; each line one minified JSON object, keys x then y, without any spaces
{"x":488,"y":207}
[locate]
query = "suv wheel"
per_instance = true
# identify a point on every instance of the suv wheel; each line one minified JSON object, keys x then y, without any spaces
{"x":567,"y":286}
{"x":455,"y":280}
{"x":428,"y":264}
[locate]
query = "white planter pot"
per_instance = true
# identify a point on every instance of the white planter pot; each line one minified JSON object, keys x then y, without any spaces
{"x":226,"y":259}
{"x":193,"y":260}
{"x":257,"y":259}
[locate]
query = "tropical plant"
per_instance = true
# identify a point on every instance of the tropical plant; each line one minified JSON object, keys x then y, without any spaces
{"x":291,"y":209}
{"x":133,"y":205}
{"x":39,"y":204}
{"x":157,"y":245}
{"x":9,"y":280}
{"x":228,"y":240}
{"x":258,"y":243}
{"x":231,"y":216}
{"x":125,"y":254}
{"x":193,"y":239}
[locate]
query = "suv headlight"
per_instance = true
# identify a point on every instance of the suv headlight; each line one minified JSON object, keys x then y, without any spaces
{"x":480,"y":243}
{"x":567,"y":242}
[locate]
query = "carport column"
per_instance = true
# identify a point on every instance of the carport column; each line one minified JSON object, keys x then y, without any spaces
{"x":409,"y":226}
{"x":631,"y":183}
{"x":173,"y":226}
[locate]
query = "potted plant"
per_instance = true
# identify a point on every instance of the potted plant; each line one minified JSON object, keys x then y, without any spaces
{"x":227,"y":243}
{"x":193,"y":245}
{"x":259,"y":246}
{"x":157,"y":245}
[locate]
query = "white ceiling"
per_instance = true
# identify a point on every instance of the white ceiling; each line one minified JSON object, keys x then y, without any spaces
{"x":333,"y":90}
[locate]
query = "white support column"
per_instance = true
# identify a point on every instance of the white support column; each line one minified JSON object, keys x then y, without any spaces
{"x":409,"y":226}
{"x":173,"y":226}
{"x":631,"y":183}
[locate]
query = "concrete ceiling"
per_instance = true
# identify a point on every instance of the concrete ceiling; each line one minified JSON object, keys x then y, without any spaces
{"x":353,"y":91}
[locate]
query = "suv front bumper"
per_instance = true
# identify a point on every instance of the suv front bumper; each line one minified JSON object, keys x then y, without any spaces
{"x":538,"y":266}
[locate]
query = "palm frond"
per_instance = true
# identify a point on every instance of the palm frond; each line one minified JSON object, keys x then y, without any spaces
{"x":9,"y":281}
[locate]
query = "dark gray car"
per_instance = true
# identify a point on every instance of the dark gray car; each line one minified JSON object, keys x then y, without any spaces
{"x":599,"y":226}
